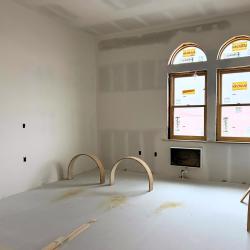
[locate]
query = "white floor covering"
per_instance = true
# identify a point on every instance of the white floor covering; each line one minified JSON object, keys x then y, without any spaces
{"x":177,"y":215}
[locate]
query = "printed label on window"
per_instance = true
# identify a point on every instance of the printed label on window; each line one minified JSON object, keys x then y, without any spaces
{"x":239,"y":46}
{"x":188,"y":92}
{"x":238,"y":110}
{"x":189,"y":52}
{"x":239,"y":86}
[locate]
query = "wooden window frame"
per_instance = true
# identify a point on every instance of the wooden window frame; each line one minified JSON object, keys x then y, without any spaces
{"x":172,"y":76}
{"x":230,"y":41}
{"x":182,"y":47}
{"x":221,"y":72}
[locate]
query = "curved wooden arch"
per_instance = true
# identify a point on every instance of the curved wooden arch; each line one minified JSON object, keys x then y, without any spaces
{"x":229,"y":41}
{"x":95,"y":159}
{"x":247,"y":193}
{"x":181,"y":47}
{"x":142,"y":163}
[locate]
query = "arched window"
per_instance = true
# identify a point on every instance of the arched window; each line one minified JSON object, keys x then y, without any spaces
{"x":187,"y":53}
{"x":188,"y":97}
{"x":233,"y":104}
{"x":236,"y":47}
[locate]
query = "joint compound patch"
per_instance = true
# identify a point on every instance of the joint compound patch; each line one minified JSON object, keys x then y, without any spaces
{"x":239,"y":46}
{"x":239,"y":85}
{"x":189,"y":52}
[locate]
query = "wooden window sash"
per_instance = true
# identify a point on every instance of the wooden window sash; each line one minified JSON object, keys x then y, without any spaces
{"x":221,"y":72}
{"x":172,"y":76}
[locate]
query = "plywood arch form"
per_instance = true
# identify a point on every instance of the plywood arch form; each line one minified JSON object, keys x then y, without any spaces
{"x":141,"y":163}
{"x":94,"y":158}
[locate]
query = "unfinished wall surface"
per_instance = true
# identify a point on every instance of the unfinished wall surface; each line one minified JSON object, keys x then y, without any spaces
{"x":48,"y":81}
{"x":132,"y":99}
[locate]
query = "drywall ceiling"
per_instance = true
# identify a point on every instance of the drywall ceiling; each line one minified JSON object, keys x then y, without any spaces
{"x":105,"y":17}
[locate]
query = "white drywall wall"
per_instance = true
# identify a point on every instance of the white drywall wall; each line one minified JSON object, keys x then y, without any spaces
{"x":132,"y":99}
{"x":48,"y":81}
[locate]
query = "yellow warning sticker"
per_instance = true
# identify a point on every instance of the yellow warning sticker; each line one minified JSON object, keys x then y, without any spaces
{"x":188,"y":92}
{"x":239,"y":46}
{"x":189,"y":52}
{"x":239,"y":86}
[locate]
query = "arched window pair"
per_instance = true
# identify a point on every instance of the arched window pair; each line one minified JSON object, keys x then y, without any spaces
{"x":188,"y":94}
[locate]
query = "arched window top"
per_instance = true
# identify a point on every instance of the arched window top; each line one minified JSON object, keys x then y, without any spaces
{"x":236,"y":47}
{"x":187,"y":53}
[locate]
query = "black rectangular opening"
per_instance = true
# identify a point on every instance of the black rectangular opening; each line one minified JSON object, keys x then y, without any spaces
{"x":186,"y":157}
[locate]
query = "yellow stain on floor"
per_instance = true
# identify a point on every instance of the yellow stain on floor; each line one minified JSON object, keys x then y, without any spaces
{"x":114,"y":202}
{"x":168,"y":205}
{"x":69,"y":194}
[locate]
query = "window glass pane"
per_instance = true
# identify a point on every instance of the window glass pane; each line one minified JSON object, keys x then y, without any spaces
{"x":189,"y":90}
{"x":235,"y":121}
{"x":190,"y":55}
{"x":240,"y":48}
{"x":236,"y":88}
{"x":189,"y":121}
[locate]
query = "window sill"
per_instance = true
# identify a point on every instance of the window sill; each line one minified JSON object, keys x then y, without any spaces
{"x":209,"y":141}
{"x":176,"y":140}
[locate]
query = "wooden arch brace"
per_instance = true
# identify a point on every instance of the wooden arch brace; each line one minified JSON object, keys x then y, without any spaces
{"x":95,"y":159}
{"x":142,"y":163}
{"x":248,"y":213}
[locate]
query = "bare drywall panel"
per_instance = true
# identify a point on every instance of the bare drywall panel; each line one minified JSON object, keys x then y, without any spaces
{"x":106,"y":149}
{"x":129,"y":23}
{"x":126,"y":4}
{"x":118,"y":71}
{"x":48,"y":81}
{"x":105,"y":78}
{"x":161,"y":76}
{"x":131,"y":110}
{"x":149,"y":147}
{"x":143,"y":104}
{"x":132,"y":76}
{"x":119,"y":144}
{"x":148,"y":74}
{"x":239,"y":163}
{"x":134,"y":145}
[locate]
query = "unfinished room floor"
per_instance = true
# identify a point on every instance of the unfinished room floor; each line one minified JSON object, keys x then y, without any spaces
{"x":177,"y":215}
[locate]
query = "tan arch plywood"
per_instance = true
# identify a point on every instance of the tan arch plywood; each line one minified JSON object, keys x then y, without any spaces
{"x":247,"y":193}
{"x":245,"y":196}
{"x":95,"y":159}
{"x":142,"y":163}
